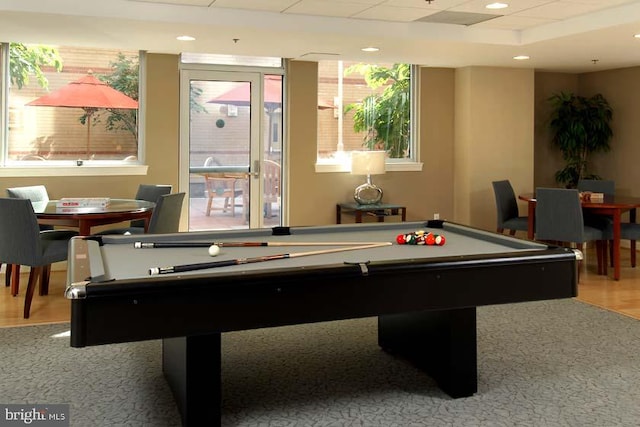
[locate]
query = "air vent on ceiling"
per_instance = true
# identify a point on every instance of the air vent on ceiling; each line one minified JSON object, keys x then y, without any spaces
{"x":457,"y":18}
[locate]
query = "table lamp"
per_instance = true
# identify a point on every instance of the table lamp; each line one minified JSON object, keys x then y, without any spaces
{"x":368,"y":163}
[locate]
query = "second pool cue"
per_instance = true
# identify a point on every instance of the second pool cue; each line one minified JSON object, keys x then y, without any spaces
{"x":159,"y":245}
{"x":225,"y":263}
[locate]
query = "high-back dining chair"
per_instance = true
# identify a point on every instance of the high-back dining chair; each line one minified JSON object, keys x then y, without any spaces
{"x":604,"y":186}
{"x":35,"y":193}
{"x":23,"y":243}
{"x":150,"y":193}
{"x":164,"y":219}
{"x":559,"y":219}
{"x":628,"y":231}
{"x":507,"y":208}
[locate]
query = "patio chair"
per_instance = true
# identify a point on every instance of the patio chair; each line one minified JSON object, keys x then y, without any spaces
{"x":220,"y":185}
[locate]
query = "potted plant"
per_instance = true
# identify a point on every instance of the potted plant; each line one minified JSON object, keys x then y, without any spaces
{"x":580,"y":126}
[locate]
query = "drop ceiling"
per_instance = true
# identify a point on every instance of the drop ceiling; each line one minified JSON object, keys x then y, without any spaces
{"x":559,"y":35}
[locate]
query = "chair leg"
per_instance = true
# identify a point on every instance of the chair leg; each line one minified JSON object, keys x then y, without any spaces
{"x":512,"y":232}
{"x":605,"y":262}
{"x":580,"y":247}
{"x":500,"y":230}
{"x":633,"y":253}
{"x":31,"y":287}
{"x":44,"y":280}
{"x":7,"y":275}
{"x":15,"y":279}
{"x":209,"y":201}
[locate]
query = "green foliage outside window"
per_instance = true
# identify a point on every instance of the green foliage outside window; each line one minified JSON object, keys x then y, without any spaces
{"x":26,"y":61}
{"x":384,"y":117}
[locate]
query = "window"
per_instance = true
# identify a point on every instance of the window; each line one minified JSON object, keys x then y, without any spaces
{"x":377,"y":105}
{"x":69,"y":105}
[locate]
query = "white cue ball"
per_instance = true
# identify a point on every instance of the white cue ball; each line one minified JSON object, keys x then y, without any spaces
{"x":214,"y":250}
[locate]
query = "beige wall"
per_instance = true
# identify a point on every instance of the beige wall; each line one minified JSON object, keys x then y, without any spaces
{"x":494,"y":121}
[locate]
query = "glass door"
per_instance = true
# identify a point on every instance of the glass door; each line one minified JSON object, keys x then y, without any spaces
{"x":231,"y":149}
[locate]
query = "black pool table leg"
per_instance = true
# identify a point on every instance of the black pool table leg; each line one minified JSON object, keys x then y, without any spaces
{"x":442,"y":343}
{"x":192,"y":366}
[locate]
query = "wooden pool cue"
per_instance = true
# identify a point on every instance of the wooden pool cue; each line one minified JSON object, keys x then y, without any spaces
{"x":152,"y":245}
{"x":205,"y":265}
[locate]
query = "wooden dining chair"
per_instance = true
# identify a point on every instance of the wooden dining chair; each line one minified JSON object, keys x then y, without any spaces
{"x":23,"y":243}
{"x":559,"y":219}
{"x":222,"y":185}
{"x":507,"y":209}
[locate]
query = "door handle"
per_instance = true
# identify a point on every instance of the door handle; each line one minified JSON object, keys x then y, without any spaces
{"x":255,"y":170}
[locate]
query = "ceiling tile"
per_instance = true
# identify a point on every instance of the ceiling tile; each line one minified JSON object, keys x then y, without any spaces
{"x":263,"y":5}
{"x":559,"y":10}
{"x":479,"y":6}
{"x":422,"y":4}
{"x":513,"y":22}
{"x":178,"y":2}
{"x":323,"y":8}
{"x":397,"y":14}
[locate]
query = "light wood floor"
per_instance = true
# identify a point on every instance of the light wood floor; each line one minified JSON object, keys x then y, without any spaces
{"x":622,"y":296}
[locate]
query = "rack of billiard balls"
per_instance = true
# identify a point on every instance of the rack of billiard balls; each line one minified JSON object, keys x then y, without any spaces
{"x":421,"y":237}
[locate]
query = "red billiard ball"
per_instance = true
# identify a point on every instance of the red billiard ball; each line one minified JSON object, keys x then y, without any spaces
{"x":400,"y":239}
{"x":440,"y":240}
{"x":430,"y":239}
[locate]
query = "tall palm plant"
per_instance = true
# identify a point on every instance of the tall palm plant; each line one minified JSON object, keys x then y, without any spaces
{"x":581,"y":126}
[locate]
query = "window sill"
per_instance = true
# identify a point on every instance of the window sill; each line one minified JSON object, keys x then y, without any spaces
{"x":85,"y":170}
{"x":390,"y":167}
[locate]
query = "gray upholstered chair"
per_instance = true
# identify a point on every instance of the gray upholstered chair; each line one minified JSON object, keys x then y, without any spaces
{"x":35,"y":193}
{"x":627,"y":231}
{"x":507,"y":208}
{"x":559,"y":219}
{"x":150,"y":193}
{"x":604,"y":186}
{"x":164,"y":219}
{"x":23,"y":243}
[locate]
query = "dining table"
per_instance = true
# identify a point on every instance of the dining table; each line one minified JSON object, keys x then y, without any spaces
{"x":611,"y":205}
{"x":86,"y":217}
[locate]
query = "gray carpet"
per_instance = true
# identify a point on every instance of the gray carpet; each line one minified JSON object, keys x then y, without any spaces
{"x":558,"y":363}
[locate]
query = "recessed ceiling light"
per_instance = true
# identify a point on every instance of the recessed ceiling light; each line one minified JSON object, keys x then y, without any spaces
{"x":185,"y":38}
{"x":497,"y":6}
{"x":370,"y":49}
{"x":637,"y":36}
{"x":521,"y":57}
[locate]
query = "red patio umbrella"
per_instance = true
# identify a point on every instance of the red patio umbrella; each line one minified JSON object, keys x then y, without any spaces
{"x":240,"y":95}
{"x":87,"y":93}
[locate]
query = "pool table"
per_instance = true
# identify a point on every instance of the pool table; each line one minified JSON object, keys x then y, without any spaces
{"x":424,"y":297}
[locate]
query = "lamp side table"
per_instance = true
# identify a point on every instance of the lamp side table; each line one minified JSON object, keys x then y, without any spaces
{"x":378,"y":210}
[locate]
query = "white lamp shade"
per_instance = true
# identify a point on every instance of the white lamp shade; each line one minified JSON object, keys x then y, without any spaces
{"x":368,"y":162}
